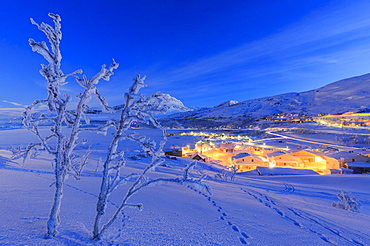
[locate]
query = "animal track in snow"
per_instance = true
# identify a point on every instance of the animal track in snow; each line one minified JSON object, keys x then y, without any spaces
{"x":242,"y":240}
{"x":235,"y":228}
{"x":244,"y":236}
{"x":316,"y":224}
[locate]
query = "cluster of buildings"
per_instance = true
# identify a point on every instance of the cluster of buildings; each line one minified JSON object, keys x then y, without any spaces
{"x":246,"y":157}
{"x":345,"y":120}
{"x":291,"y":118}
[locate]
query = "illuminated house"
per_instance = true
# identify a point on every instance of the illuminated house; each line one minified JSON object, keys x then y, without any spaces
{"x":331,"y":163}
{"x":202,"y":147}
{"x":227,"y":147}
{"x":310,"y":160}
{"x":187,"y":151}
{"x":305,"y":159}
{"x":220,"y":155}
{"x":245,"y":162}
{"x":286,"y":160}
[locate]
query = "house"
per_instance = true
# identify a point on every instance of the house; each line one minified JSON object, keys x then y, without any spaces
{"x":199,"y":157}
{"x":260,"y":150}
{"x":245,"y":162}
{"x":346,"y":171}
{"x":220,"y":155}
{"x":335,"y":171}
{"x":286,"y":160}
{"x":173,"y":152}
{"x":311,"y":160}
{"x":358,"y":163}
{"x":202,"y":147}
{"x":331,"y":163}
{"x":227,"y":147}
{"x":357,"y":158}
{"x":187,"y":151}
{"x":359,"y":167}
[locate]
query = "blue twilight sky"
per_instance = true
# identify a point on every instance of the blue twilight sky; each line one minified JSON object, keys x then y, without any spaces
{"x":202,"y":52}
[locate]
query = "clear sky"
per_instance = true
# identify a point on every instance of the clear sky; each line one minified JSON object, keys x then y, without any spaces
{"x":202,"y":52}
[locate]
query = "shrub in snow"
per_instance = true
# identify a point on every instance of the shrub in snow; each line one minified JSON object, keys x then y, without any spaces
{"x":347,"y":202}
{"x":227,"y":174}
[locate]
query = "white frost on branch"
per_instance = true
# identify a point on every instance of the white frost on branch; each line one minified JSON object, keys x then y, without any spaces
{"x":63,"y":146}
{"x":136,"y":108}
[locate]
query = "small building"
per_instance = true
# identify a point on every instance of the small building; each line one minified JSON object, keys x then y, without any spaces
{"x":357,"y":158}
{"x":245,"y":162}
{"x":286,"y":160}
{"x":202,"y":147}
{"x":358,"y":163}
{"x":346,"y":171}
{"x":199,"y":157}
{"x":359,"y":167}
{"x":227,"y":147}
{"x":335,"y":171}
{"x":173,"y":152}
{"x":310,"y":159}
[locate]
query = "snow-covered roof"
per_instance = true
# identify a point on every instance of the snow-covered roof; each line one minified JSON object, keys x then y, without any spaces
{"x":341,"y":154}
{"x":267,"y":171}
{"x":200,"y":155}
{"x":358,"y":164}
{"x":240,"y":155}
{"x":334,"y":170}
{"x":247,"y":164}
{"x":346,"y":170}
{"x":276,"y":153}
{"x":287,"y":161}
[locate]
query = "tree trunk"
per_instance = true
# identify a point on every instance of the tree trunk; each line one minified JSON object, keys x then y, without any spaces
{"x":54,"y":219}
{"x":101,"y":204}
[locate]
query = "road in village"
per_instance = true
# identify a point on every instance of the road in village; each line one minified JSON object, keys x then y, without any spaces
{"x":312,"y":141}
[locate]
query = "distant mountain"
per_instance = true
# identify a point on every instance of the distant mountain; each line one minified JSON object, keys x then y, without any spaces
{"x":169,"y":103}
{"x":347,"y":95}
{"x":172,"y":104}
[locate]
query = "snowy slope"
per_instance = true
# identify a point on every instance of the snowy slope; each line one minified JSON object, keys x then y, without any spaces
{"x":252,"y":210}
{"x":348,"y":95}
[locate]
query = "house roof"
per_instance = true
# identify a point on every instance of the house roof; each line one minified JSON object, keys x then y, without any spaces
{"x":267,"y":171}
{"x":240,"y":155}
{"x":335,"y":170}
{"x":200,"y":155}
{"x":228,"y":145}
{"x":346,"y":170}
{"x":287,"y":161}
{"x":341,"y":154}
{"x":276,"y":153}
{"x":305,"y":153}
{"x":358,"y":164}
{"x":286,"y":157}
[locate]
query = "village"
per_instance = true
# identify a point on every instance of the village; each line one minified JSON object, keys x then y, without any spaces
{"x":241,"y":153}
{"x":344,"y":120}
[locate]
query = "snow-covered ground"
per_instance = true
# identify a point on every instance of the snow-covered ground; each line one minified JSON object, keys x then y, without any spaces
{"x":251,"y":210}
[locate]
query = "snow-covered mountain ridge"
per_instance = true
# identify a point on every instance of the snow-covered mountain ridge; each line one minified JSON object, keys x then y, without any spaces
{"x":347,"y":95}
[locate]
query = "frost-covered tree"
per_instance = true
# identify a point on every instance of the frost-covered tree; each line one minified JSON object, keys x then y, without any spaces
{"x":136,"y":108}
{"x":56,"y":141}
{"x":55,"y":113}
